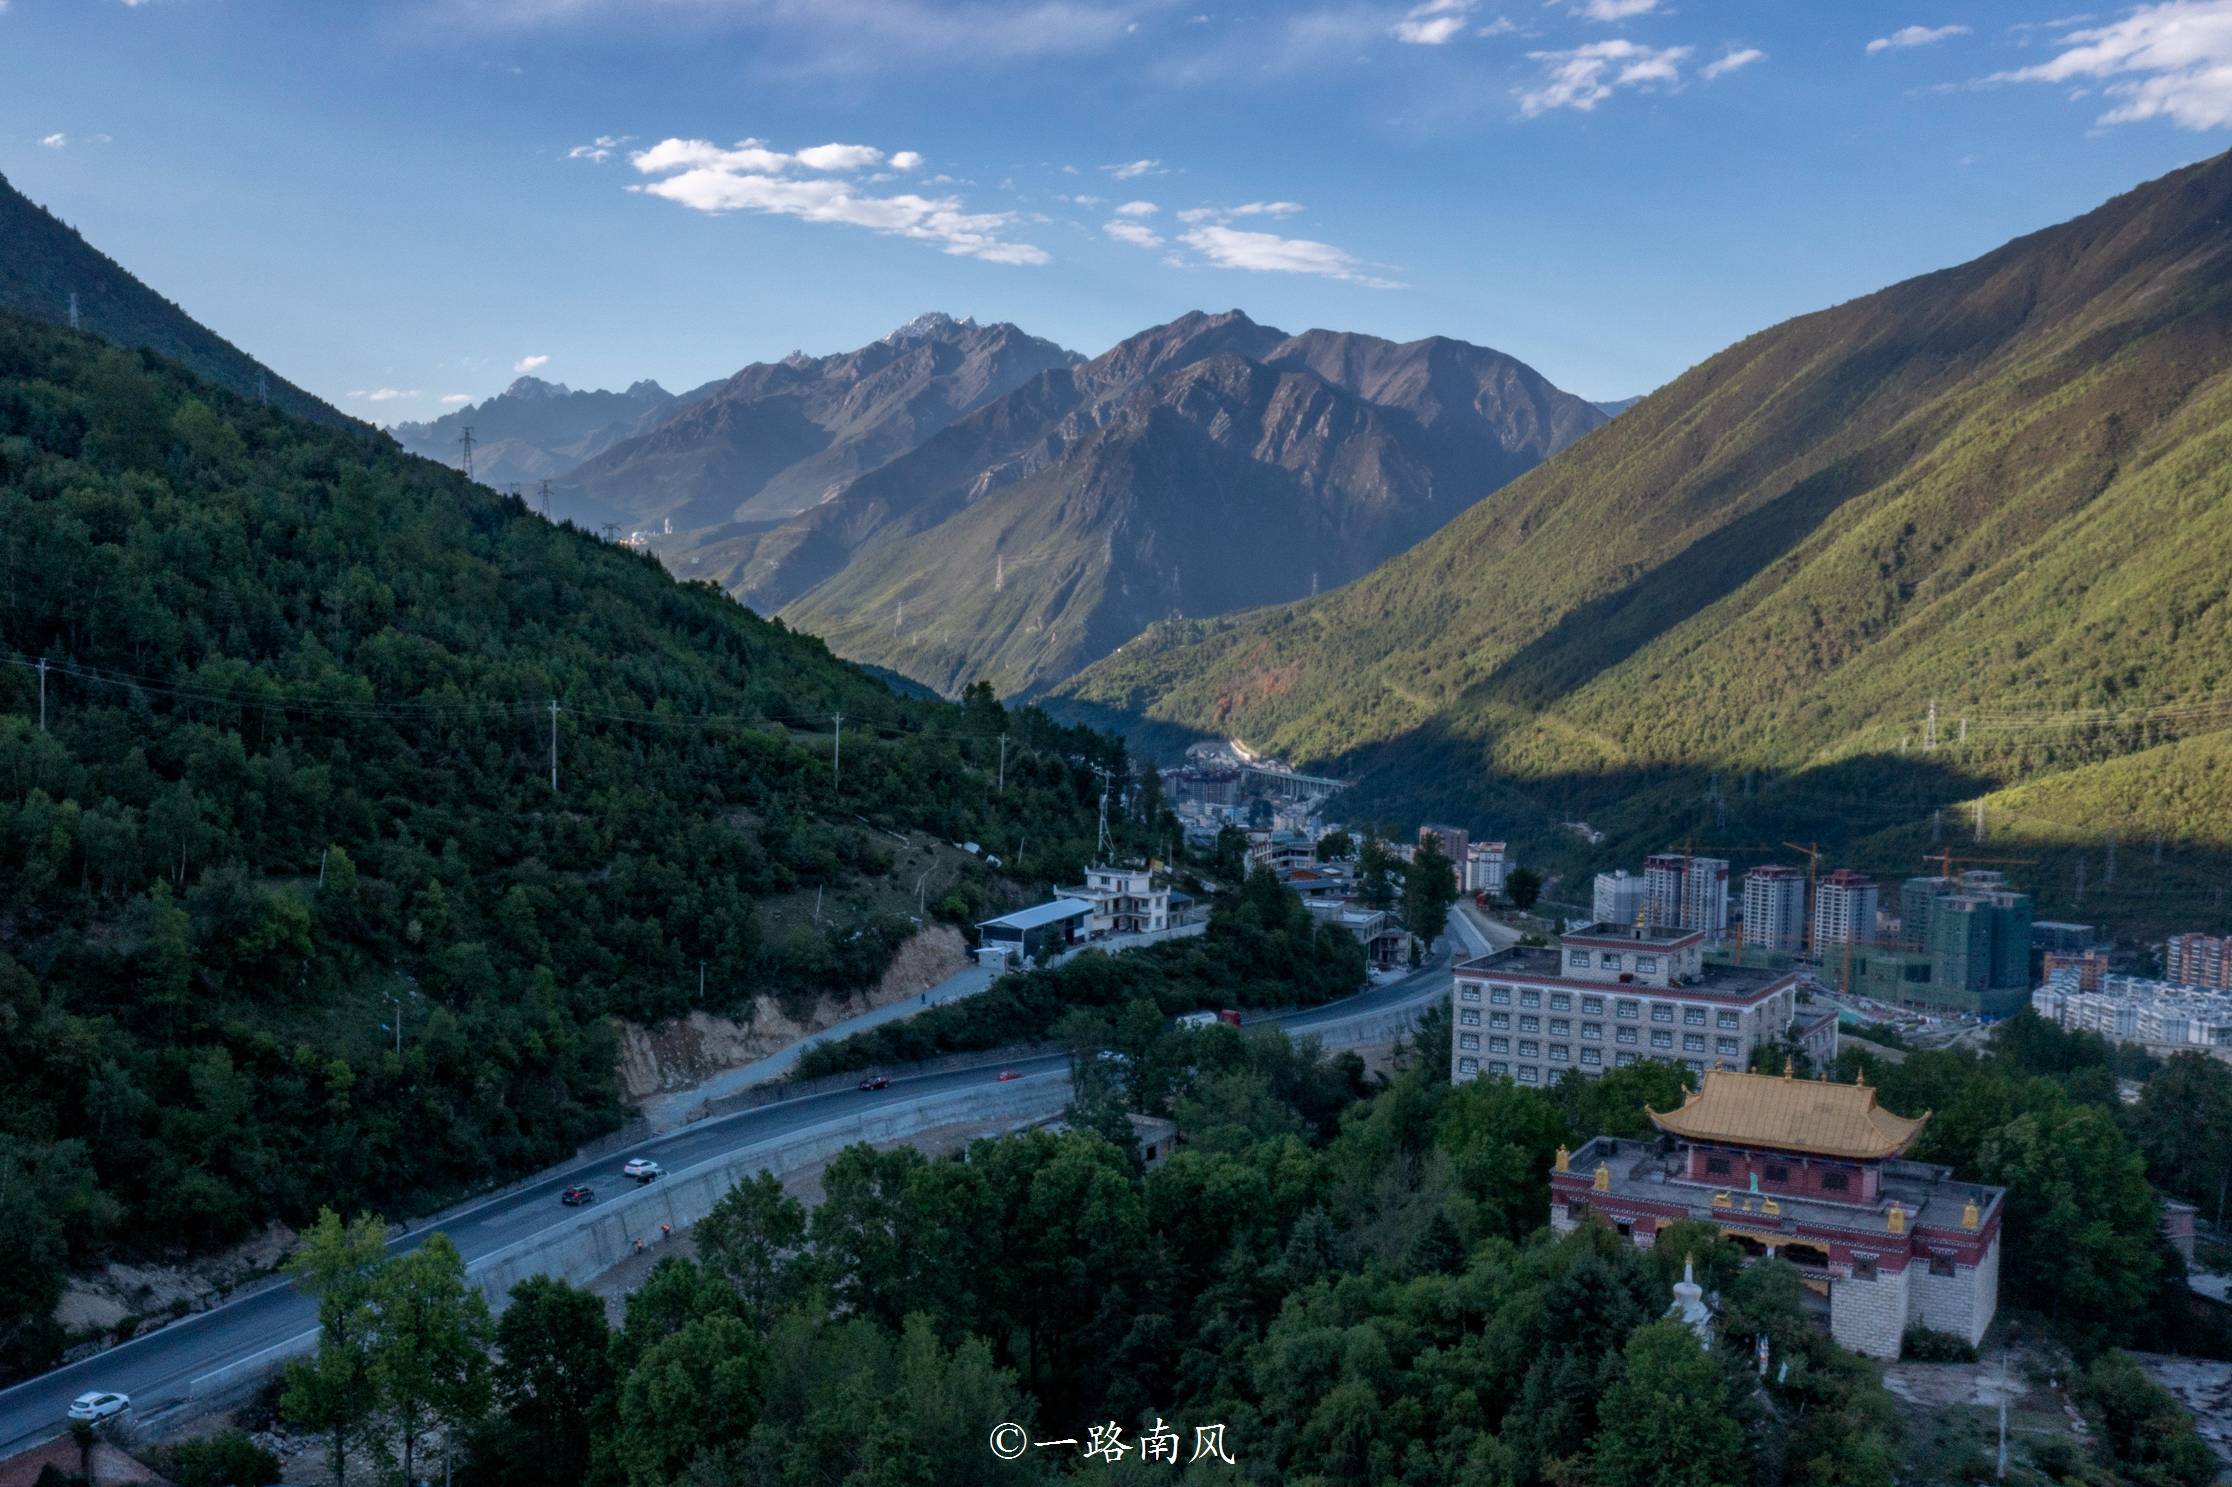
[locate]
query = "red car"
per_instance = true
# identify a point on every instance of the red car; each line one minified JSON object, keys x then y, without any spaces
{"x":575,"y":1197}
{"x":876,"y":1081}
{"x":1007,"y":1074}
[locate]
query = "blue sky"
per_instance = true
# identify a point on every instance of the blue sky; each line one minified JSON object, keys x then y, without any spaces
{"x":401,"y":202}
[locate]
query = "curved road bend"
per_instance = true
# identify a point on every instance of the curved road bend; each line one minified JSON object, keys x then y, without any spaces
{"x":159,"y":1367}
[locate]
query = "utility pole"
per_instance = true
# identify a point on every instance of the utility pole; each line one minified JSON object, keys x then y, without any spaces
{"x":74,"y":311}
{"x":554,"y":746}
{"x":1101,"y":850}
{"x":1001,"y":787}
{"x":1980,"y":818}
{"x":42,"y":693}
{"x":398,"y":1023}
{"x":701,"y":983}
{"x":465,"y":443}
{"x":1929,"y":729}
{"x":836,"y":748}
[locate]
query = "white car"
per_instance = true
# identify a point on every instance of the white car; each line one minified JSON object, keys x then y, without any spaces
{"x":96,"y":1405}
{"x":643,"y":1169}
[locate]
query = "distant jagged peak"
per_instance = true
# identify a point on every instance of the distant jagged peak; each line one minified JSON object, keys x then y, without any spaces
{"x":536,"y":387}
{"x":929,"y":325}
{"x":647,"y":387}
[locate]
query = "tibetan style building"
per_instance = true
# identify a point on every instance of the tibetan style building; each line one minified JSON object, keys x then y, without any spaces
{"x":1814,"y":1173}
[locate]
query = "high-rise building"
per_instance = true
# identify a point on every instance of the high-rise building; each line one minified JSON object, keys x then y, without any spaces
{"x":2087,"y":968}
{"x":1685,"y":892}
{"x":2198,"y":960}
{"x":1915,"y":898}
{"x":1774,"y":908}
{"x":1844,"y":911}
{"x":1486,"y":866}
{"x":1617,"y":898}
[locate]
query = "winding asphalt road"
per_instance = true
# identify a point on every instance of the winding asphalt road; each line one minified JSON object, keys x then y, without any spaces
{"x":159,"y":1367}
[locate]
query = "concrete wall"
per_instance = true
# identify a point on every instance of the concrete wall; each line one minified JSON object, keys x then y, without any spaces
{"x":581,"y":1250}
{"x":1870,"y":1316}
{"x":1961,"y":1303}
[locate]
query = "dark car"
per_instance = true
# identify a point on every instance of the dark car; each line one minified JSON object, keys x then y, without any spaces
{"x":876,"y":1081}
{"x":575,"y":1197}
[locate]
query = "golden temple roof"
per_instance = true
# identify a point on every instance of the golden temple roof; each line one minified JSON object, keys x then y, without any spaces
{"x":1804,"y":1115}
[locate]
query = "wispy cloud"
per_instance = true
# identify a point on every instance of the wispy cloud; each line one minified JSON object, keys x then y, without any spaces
{"x":384,"y":394}
{"x":56,"y":141}
{"x":1245,"y":209}
{"x":1269,"y":253}
{"x":456,"y":399}
{"x":528,"y":364}
{"x":1433,"y":23}
{"x":1138,"y":234}
{"x":1731,"y":61}
{"x":599,"y":149}
{"x":1913,"y":36}
{"x":750,"y":176}
{"x":1583,"y":77}
{"x":1137,"y":209}
{"x":2170,"y":61}
{"x":1132,"y":170}
{"x":1616,"y":10}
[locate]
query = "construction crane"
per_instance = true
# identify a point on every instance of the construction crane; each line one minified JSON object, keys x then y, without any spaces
{"x":1945,"y":861}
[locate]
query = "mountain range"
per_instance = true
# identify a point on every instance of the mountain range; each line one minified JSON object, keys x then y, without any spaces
{"x":1962,"y":536}
{"x":48,"y":272}
{"x":534,"y":430}
{"x":1200,"y":466}
{"x":781,"y":436}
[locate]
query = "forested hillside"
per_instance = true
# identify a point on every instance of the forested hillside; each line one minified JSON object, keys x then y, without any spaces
{"x":294,"y":785}
{"x":45,"y":262}
{"x":2000,"y":489}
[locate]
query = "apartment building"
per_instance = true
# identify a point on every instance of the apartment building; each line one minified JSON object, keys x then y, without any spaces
{"x":1774,"y":908}
{"x":1844,"y":911}
{"x":1616,"y":898}
{"x":2134,"y":1009}
{"x":1685,"y":892}
{"x":1607,"y":995}
{"x":1487,"y":864}
{"x":2198,"y":960}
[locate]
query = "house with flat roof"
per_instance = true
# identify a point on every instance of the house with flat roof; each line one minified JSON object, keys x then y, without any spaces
{"x":1608,"y":995}
{"x":1031,"y":935}
{"x":1814,"y":1173}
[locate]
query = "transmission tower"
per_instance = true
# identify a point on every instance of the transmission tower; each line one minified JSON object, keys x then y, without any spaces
{"x":546,"y":500}
{"x":263,"y":387}
{"x":1929,"y":729}
{"x":74,"y":312}
{"x":465,"y":443}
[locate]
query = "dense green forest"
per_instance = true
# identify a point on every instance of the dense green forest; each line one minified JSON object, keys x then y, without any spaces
{"x":294,"y":914}
{"x":1355,"y":1280}
{"x":1996,"y":494}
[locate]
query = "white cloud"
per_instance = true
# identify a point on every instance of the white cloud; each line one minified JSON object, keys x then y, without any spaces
{"x":1081,"y":201}
{"x":1502,"y":25}
{"x":456,"y":399}
{"x":1587,"y":75}
{"x":750,"y":177}
{"x":1138,"y":234}
{"x":1616,"y":10}
{"x":2169,"y":61}
{"x":840,"y":157}
{"x":1267,"y":209}
{"x":55,"y":141}
{"x":599,"y":149}
{"x":1132,"y":170}
{"x":528,"y":364}
{"x":384,"y":394}
{"x":1729,"y":62}
{"x":1137,"y":209}
{"x":1433,"y":23}
{"x":1914,"y":36}
{"x":1266,"y":252}
{"x":906,"y":160}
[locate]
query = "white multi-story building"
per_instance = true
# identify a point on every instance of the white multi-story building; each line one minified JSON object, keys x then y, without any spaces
{"x":1608,"y":995}
{"x":1685,"y":892}
{"x":1775,"y":908}
{"x":1844,"y":910}
{"x":1486,"y":864}
{"x":1617,"y":899}
{"x":1125,"y":900}
{"x":2134,"y":1009}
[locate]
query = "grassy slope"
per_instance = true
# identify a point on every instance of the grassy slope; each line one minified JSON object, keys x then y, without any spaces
{"x":2000,"y":487}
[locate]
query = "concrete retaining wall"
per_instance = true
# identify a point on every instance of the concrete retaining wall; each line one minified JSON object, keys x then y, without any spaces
{"x":580,"y":1251}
